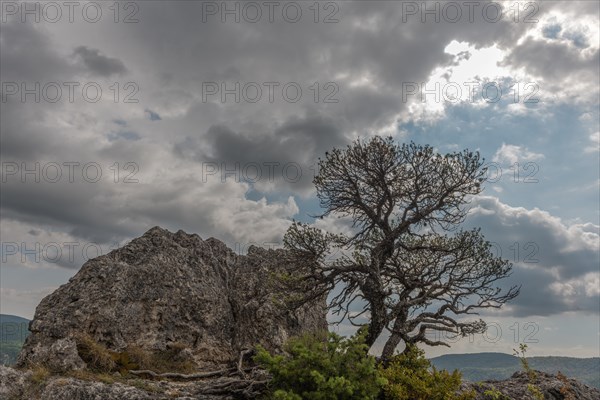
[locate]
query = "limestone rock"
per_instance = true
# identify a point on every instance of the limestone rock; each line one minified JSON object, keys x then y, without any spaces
{"x":13,"y":383}
{"x":18,"y":384}
{"x":550,"y":385}
{"x":165,"y":289}
{"x":60,"y":356}
{"x":67,"y":388}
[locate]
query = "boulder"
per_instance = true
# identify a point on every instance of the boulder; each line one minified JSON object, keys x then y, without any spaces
{"x":168,"y":289}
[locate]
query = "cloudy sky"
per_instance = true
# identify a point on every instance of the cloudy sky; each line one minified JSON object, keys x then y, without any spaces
{"x":209,"y":117}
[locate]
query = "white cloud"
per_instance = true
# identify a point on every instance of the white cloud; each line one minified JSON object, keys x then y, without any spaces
{"x":466,"y":78}
{"x":510,"y":154}
{"x":335,"y":224}
{"x":595,"y":143}
{"x":567,"y":25}
{"x":588,"y":285}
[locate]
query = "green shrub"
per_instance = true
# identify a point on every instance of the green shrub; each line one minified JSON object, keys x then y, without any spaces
{"x":328,"y":367}
{"x":491,"y":392}
{"x":322,"y":367}
{"x":410,"y":376}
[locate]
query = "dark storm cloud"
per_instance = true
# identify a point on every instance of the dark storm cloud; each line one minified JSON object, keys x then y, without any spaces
{"x":22,"y":138}
{"x":570,"y":251}
{"x":30,"y":141}
{"x":554,"y":61}
{"x":553,"y":261}
{"x":28,"y":54}
{"x":98,"y":63}
{"x":65,"y":206}
{"x":172,"y":52}
{"x":390,"y":52}
{"x":299,"y":140}
{"x":370,"y":39}
{"x":538,"y":296}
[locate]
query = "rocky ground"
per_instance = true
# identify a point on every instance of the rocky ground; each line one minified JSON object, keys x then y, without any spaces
{"x":17,"y":384}
{"x":553,"y":387}
{"x":31,"y":385}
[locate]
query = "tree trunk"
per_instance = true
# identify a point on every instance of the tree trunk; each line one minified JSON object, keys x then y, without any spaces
{"x":390,"y":346}
{"x":378,"y":320}
{"x":396,"y":335}
{"x":373,"y":292}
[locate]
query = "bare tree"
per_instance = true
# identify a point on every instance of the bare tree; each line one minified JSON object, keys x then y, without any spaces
{"x":401,"y":266}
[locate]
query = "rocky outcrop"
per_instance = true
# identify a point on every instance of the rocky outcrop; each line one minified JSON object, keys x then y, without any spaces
{"x":552,"y":386}
{"x":18,"y":385}
{"x":168,"y":289}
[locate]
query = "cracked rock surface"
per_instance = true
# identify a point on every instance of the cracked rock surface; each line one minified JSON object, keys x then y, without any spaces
{"x":165,"y":288}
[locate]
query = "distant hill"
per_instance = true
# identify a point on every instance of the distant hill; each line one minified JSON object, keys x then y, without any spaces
{"x":13,"y":331}
{"x":482,"y":366}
